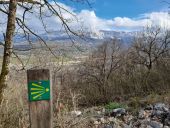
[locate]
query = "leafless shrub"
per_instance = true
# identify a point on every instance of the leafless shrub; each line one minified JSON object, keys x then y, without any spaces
{"x":111,"y":71}
{"x":14,"y":107}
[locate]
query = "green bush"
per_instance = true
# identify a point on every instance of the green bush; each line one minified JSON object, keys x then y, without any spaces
{"x":114,"y":105}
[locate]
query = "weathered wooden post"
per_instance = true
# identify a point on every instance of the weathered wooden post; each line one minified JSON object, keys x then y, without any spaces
{"x":40,"y":99}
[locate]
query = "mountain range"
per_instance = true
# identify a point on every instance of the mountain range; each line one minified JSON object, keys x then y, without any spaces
{"x":89,"y":39}
{"x":93,"y":37}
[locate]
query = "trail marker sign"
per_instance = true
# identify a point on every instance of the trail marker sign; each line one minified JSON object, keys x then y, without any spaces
{"x":39,"y":90}
{"x":40,"y":99}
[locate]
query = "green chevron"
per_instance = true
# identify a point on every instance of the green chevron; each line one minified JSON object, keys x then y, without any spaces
{"x":39,"y":90}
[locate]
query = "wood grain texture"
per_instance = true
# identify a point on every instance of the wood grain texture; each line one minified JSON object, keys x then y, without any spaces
{"x":40,"y":111}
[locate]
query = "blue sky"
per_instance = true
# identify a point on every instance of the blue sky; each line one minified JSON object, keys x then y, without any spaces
{"x":109,"y":15}
{"x":123,"y":8}
{"x":126,"y":15}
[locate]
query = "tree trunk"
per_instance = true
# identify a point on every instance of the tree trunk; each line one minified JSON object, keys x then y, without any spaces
{"x":8,"y":46}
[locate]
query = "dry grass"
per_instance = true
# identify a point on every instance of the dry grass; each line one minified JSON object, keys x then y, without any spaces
{"x":14,"y":108}
{"x":14,"y":111}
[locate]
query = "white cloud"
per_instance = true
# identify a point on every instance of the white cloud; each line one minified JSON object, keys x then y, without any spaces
{"x":88,"y":20}
{"x":161,"y":19}
{"x":92,"y":22}
{"x":130,"y":23}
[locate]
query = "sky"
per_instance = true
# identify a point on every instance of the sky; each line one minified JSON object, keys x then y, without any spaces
{"x":109,"y":15}
{"x":122,"y":15}
{"x":108,"y":9}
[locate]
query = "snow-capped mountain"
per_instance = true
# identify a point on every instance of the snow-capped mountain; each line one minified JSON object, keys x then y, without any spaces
{"x":92,"y":37}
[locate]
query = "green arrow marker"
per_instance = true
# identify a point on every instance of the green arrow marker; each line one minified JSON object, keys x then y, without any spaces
{"x":39,"y":90}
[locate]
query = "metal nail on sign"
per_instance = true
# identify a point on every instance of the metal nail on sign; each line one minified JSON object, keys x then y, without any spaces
{"x":39,"y":90}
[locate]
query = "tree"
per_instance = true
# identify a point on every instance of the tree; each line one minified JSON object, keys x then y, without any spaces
{"x":150,"y":46}
{"x":27,"y":6}
{"x":8,"y":45}
{"x":100,"y":66}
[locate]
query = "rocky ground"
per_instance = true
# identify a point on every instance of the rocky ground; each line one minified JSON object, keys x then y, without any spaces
{"x":152,"y":116}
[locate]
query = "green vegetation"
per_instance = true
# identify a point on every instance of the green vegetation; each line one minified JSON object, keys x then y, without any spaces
{"x":114,"y":105}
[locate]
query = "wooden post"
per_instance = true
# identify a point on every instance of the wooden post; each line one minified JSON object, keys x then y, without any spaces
{"x":40,"y":105}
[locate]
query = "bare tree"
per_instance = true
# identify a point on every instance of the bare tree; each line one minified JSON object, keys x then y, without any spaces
{"x":150,"y":46}
{"x":101,"y":65}
{"x":8,"y":44}
{"x":9,"y":8}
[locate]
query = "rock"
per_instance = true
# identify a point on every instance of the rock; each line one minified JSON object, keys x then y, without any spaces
{"x":165,"y":119}
{"x":168,"y":119}
{"x":141,"y":114}
{"x":97,"y":122}
{"x":126,"y":126}
{"x":161,"y":107}
{"x":76,"y":113}
{"x":149,"y":107}
{"x":167,"y":122}
{"x":103,"y":121}
{"x":155,"y":124}
{"x":99,"y":112}
{"x":118,"y":123}
{"x":103,"y":110}
{"x":152,"y":116}
{"x":108,"y":126}
{"x":118,"y":112}
{"x":157,"y":113}
{"x":128,"y":119}
{"x":148,"y":126}
{"x":92,"y":119}
{"x":111,"y":119}
{"x":148,"y":123}
{"x":166,"y":126}
{"x":137,"y":124}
